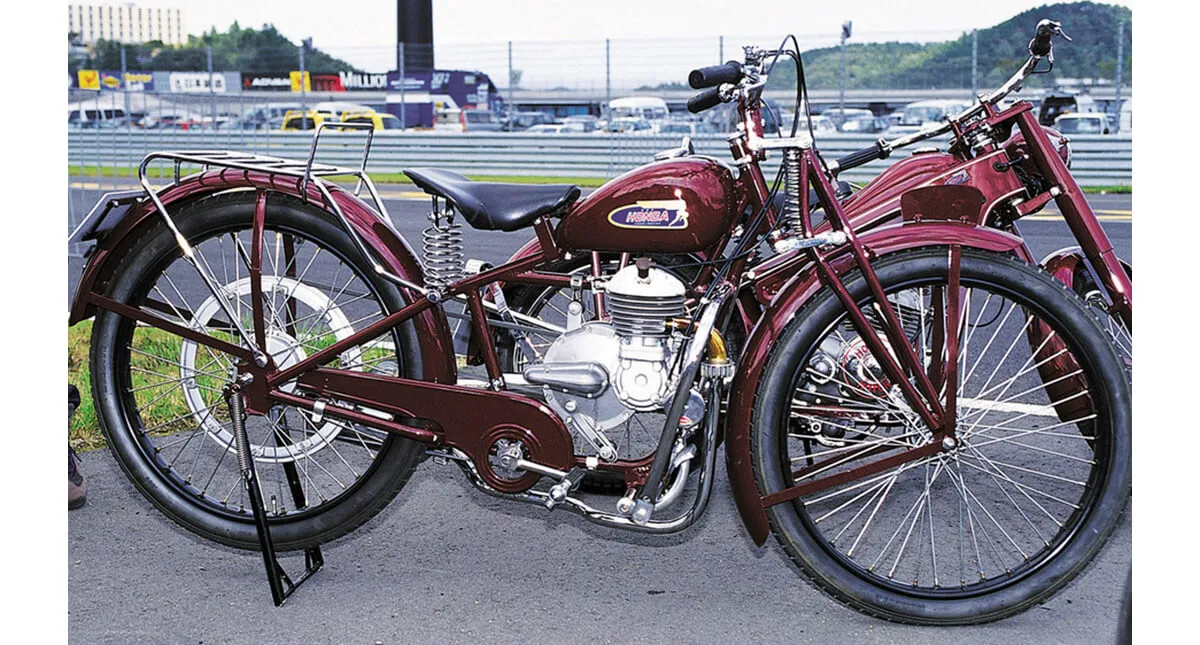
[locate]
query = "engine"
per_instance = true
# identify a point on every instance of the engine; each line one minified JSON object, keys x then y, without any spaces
{"x":598,"y":375}
{"x":641,"y":300}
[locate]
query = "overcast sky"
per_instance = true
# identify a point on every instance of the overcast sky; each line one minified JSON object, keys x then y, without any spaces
{"x":562,"y":43}
{"x":364,"y":32}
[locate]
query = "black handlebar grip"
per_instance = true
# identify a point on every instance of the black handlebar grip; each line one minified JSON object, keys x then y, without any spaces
{"x":1040,"y":45}
{"x":860,"y":157}
{"x":704,"y":100}
{"x":730,"y":72}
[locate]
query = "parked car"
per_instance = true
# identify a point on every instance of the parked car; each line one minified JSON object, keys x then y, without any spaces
{"x":864,"y":124}
{"x":560,"y":128}
{"x":482,"y":121}
{"x":690,"y":128}
{"x":1054,"y":104}
{"x":649,"y":108}
{"x":517,"y":121}
{"x":925,"y":114}
{"x":589,"y":122}
{"x":821,"y":123}
{"x":295,"y":120}
{"x":380,"y":120}
{"x":628,"y":125}
{"x":261,"y":117}
{"x":1085,"y":123}
{"x":840,"y":115}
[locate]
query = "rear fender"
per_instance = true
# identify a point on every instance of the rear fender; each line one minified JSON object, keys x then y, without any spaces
{"x":431,"y":326}
{"x":784,"y":307}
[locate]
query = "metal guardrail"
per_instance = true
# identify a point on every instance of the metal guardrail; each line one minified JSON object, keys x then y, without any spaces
{"x":1096,"y":160}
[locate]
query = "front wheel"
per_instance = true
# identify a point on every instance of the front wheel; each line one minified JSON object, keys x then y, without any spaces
{"x":983,"y":527}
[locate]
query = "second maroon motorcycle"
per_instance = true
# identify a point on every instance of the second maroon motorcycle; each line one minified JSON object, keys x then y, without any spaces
{"x":935,"y":430}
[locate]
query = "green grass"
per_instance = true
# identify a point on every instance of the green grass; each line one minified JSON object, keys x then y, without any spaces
{"x":155,"y":380}
{"x":401,"y":178}
{"x":163,"y":406}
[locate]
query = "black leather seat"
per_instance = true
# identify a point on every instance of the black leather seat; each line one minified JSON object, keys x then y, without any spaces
{"x":494,"y":206}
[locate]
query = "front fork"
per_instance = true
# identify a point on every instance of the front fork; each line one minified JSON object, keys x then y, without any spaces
{"x":1081,"y":219}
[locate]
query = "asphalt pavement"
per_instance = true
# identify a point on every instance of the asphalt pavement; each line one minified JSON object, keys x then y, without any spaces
{"x":448,"y":564}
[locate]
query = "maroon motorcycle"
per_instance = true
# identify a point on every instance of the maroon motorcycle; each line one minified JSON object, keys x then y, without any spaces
{"x":1015,"y":166}
{"x":936,"y":431}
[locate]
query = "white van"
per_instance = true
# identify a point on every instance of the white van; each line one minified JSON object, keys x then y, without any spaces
{"x":650,"y":108}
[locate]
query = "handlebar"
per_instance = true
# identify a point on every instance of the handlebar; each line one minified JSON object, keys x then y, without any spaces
{"x":730,"y":72}
{"x":1040,"y":47}
{"x":1046,"y":30}
{"x":877,"y":150}
{"x":704,"y":100}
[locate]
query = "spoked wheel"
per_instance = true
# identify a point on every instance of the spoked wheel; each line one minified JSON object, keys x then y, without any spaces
{"x":986,"y":525}
{"x":1119,"y":333}
{"x":160,"y":395}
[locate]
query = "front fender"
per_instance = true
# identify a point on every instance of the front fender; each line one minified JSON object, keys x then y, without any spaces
{"x":784,"y":307}
{"x":432,"y":328}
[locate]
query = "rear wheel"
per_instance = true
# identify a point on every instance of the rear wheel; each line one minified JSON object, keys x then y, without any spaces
{"x":159,"y":396}
{"x":982,"y":528}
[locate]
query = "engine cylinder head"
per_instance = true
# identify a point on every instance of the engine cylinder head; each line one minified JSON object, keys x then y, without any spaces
{"x":642,"y":298}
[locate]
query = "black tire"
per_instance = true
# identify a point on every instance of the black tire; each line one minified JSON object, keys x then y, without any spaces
{"x":896,"y":584}
{"x":338,"y":500}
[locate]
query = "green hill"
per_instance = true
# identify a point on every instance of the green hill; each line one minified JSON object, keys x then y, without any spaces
{"x":261,"y":50}
{"x":1092,"y":54}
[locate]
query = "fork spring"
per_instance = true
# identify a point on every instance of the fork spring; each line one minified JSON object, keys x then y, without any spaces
{"x":791,"y":215}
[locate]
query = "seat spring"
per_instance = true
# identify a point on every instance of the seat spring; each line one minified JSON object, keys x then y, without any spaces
{"x":443,"y":247}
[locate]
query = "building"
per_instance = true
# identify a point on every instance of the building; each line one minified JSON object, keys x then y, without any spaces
{"x":126,"y":23}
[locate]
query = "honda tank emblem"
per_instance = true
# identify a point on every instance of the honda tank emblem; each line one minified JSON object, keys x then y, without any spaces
{"x":658,"y":213}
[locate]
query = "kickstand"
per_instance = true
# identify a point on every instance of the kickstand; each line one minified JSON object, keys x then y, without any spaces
{"x":282,"y":586}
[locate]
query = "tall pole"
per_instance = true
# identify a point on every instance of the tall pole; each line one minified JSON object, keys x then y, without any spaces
{"x":403,"y":106}
{"x":303,"y":93}
{"x":607,"y":74}
{"x":842,"y":93}
{"x":212,"y":96}
{"x":512,"y":101}
{"x":720,"y":50}
{"x":125,"y":89}
{"x":974,"y":62}
{"x":1120,"y":67}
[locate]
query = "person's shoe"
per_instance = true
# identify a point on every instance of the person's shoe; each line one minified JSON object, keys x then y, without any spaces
{"x":76,"y":484}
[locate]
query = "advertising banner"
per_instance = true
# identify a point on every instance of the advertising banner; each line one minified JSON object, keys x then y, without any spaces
{"x":89,"y":79}
{"x":139,"y":81}
{"x":193,"y":82}
{"x":327,"y":83}
{"x":269,"y":82}
{"x":354,"y":81}
{"x":133,"y":81}
{"x":296,"y":83}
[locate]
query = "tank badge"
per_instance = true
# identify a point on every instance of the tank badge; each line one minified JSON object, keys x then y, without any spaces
{"x":957,"y":179}
{"x":662,"y":213}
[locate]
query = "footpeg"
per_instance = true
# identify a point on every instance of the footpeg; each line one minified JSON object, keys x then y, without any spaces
{"x":559,"y":491}
{"x":642,"y":510}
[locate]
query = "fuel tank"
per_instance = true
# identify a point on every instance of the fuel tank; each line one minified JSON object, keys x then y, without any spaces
{"x":673,"y":206}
